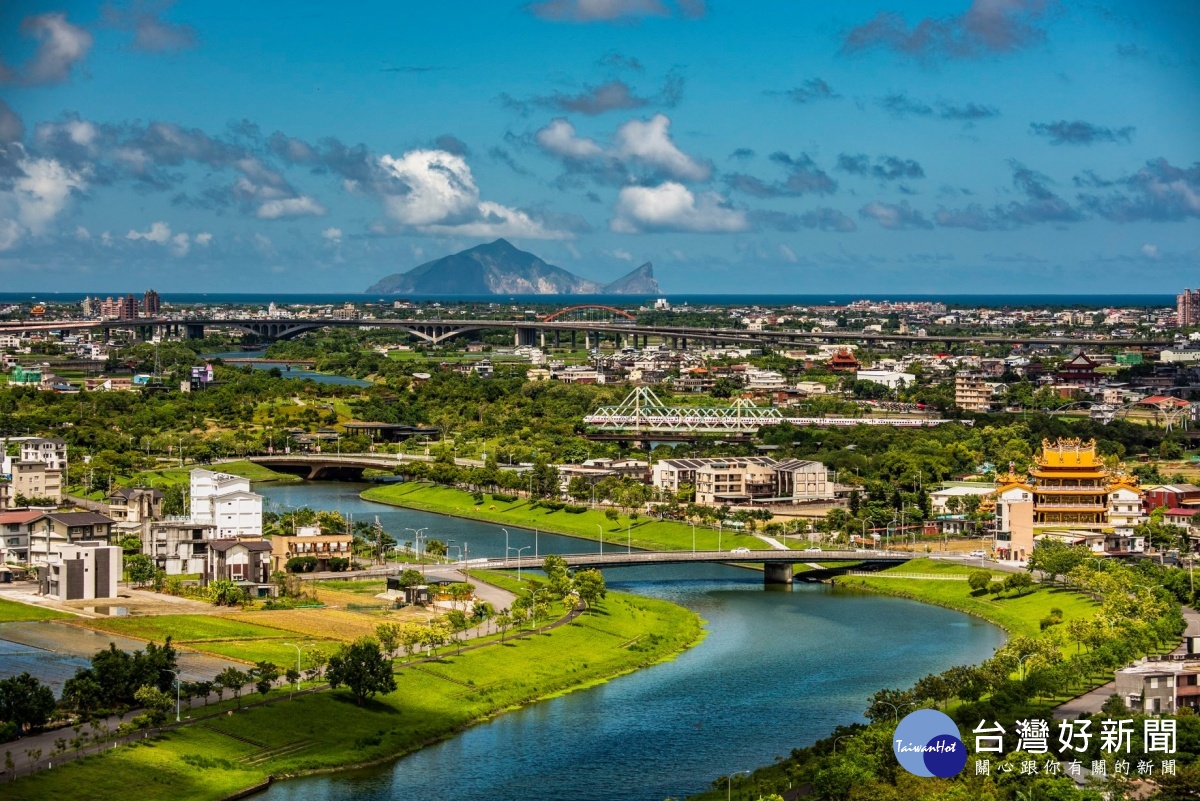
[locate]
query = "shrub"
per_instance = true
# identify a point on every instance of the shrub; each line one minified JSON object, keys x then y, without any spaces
{"x":995,"y":588}
{"x":573,"y":509}
{"x":502,"y":498}
{"x":338,"y":563}
{"x":301,"y":564}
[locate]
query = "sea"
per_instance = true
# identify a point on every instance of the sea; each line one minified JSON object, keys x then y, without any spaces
{"x":952,"y":301}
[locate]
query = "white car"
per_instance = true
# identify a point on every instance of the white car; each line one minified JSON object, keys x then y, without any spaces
{"x":813,"y":549}
{"x":740,"y":550}
{"x":979,"y":554}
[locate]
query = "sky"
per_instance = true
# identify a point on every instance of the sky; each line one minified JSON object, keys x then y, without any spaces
{"x":957,"y":146}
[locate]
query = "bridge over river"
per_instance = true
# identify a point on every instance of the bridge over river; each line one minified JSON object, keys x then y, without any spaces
{"x":777,"y":564}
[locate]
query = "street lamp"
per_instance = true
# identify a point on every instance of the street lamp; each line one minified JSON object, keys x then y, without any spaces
{"x":601,"y":530}
{"x":299,"y":667}
{"x":628,"y":536}
{"x":693,"y":537}
{"x":729,"y":785}
{"x":518,"y":550}
{"x":416,"y":536}
{"x":176,"y":675}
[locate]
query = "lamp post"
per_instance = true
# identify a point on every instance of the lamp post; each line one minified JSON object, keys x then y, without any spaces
{"x":299,"y":666}
{"x":505,"y":544}
{"x":176,"y":675}
{"x":601,"y":530}
{"x":448,"y":544}
{"x":628,"y":536}
{"x":896,"y":709}
{"x":729,"y":784}
{"x":693,"y":537}
{"x":720,"y":534}
{"x":518,"y":550}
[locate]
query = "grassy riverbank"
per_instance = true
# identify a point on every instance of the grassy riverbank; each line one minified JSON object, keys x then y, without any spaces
{"x":1017,"y":614}
{"x":13,"y":611}
{"x":644,"y":532}
{"x":326,"y":731}
{"x":246,"y":469}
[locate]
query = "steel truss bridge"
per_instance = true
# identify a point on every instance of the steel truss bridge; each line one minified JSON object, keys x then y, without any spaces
{"x":1167,"y":415}
{"x":643,"y":411}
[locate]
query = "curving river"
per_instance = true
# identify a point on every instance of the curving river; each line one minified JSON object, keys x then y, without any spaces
{"x":777,"y":671}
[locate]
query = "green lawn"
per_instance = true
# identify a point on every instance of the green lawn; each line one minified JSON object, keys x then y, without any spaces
{"x":326,"y":730}
{"x":1017,"y":614}
{"x":645,"y":532}
{"x":12,"y":611}
{"x":186,"y":628}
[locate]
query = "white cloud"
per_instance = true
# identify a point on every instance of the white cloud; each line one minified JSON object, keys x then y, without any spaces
{"x":649,"y":141}
{"x":442,"y":198}
{"x":60,"y":46}
{"x":334,"y":235}
{"x":180,"y":245}
{"x":673,"y":207}
{"x":788,"y":254}
{"x":159,"y":233}
{"x":1150,"y":251}
{"x":41,"y":193}
{"x":10,"y":233}
{"x":290,"y":207}
{"x":623,"y":255}
{"x":559,"y":139}
{"x":204,"y":239}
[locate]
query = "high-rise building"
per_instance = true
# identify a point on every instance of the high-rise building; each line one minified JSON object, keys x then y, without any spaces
{"x":151,"y":303}
{"x":972,"y":393}
{"x":1187,"y":307}
{"x":128,"y":307}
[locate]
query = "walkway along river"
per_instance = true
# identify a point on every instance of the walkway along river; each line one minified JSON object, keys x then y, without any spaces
{"x":777,"y":671}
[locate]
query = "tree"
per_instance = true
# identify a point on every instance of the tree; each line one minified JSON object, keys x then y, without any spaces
{"x":156,"y":703}
{"x":25,"y":702}
{"x":139,"y":568}
{"x":362,"y":668}
{"x":1055,"y":558}
{"x":224,"y":592}
{"x":83,"y":694}
{"x":555,"y":568}
{"x":590,"y":586}
{"x":979,"y":580}
{"x":388,"y":635}
{"x":233,"y":679}
{"x":410,"y":578}
{"x":435,"y":547}
{"x":264,"y":673}
{"x":1019,"y":582}
{"x":504,"y":622}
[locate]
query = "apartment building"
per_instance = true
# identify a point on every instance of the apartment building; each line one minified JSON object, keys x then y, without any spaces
{"x":135,"y":504}
{"x":972,"y":393}
{"x":178,"y":547}
{"x":50,"y":532}
{"x":1157,"y":686}
{"x":738,"y":479}
{"x":81,"y":571}
{"x":225,"y":502}
{"x":14,"y":535}
{"x":311,"y":542}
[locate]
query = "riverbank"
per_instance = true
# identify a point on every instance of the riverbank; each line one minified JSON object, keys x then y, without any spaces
{"x":643,"y":532}
{"x":326,"y":731}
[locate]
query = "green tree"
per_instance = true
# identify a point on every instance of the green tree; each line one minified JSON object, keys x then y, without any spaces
{"x":25,"y":702}
{"x":139,"y":568}
{"x":1019,"y":582}
{"x":156,"y":703}
{"x":224,"y":592}
{"x":1055,"y":558}
{"x":264,"y":675}
{"x":362,"y":668}
{"x":979,"y":580}
{"x":388,"y":635}
{"x":589,"y":584}
{"x":233,"y":679}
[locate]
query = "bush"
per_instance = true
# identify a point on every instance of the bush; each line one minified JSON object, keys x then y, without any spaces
{"x":502,"y":498}
{"x":301,"y":564}
{"x":338,"y":564}
{"x":1048,"y":621}
{"x":612,"y":514}
{"x":995,"y":588}
{"x":573,"y":509}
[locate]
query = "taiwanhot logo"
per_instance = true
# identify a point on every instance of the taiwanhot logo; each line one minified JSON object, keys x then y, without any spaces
{"x":928,"y":743}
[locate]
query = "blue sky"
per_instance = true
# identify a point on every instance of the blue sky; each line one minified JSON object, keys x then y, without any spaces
{"x":957,"y":146}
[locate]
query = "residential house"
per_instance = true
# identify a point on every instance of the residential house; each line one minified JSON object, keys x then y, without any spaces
{"x":226,"y":502}
{"x":178,"y":546}
{"x":135,"y":504}
{"x":246,"y":562}
{"x":1172,"y":496}
{"x":52,"y":531}
{"x":802,"y":480}
{"x":81,"y":571}
{"x":303,"y":543}
{"x":1159,"y":687}
{"x":14,"y":535}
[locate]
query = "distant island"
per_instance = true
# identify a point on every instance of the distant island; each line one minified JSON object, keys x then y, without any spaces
{"x":499,"y":268}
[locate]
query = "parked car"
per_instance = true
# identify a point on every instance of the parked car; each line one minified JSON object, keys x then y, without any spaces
{"x":979,"y":554}
{"x":813,"y":549}
{"x":740,"y":550}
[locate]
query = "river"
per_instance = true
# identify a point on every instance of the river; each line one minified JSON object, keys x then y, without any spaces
{"x":777,"y":671}
{"x":288,"y":371}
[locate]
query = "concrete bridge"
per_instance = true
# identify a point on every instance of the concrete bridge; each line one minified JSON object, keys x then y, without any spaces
{"x":553,"y":332}
{"x":777,"y":564}
{"x":313,"y":466}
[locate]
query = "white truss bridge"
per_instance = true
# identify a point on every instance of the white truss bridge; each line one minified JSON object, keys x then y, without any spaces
{"x":642,"y":410}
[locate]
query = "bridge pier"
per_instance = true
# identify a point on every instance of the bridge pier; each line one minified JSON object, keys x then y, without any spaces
{"x":195,"y":331}
{"x":774,"y":573}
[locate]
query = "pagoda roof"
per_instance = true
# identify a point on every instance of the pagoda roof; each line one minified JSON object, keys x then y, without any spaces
{"x":1069,"y":453}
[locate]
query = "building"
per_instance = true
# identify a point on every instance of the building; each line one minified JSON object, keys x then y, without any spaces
{"x":322,"y":546}
{"x":51,"y":451}
{"x":135,"y":504}
{"x":803,"y":480}
{"x":127,"y":308}
{"x":246,"y":562}
{"x":51,"y":531}
{"x":843,"y":361}
{"x":225,"y":502}
{"x":1079,"y":369}
{"x":673,"y":474}
{"x":972,"y":393}
{"x":1187,"y":308}
{"x":14,"y":535}
{"x":721,"y":482}
{"x":892,"y":379}
{"x":1172,"y":496}
{"x":82,"y":571}
{"x":1155,"y":687}
{"x":178,"y":547}
{"x":25,"y":376}
{"x":940,"y":500}
{"x":764,"y":380}
{"x":151,"y":303}
{"x":34,"y":481}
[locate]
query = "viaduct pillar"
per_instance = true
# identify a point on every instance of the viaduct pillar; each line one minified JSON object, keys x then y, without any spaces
{"x":777,"y":574}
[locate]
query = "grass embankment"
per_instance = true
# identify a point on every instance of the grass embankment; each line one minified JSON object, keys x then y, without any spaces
{"x":643,"y":533}
{"x":13,"y":611}
{"x":180,"y":475}
{"x":326,"y":731}
{"x":1019,"y":615}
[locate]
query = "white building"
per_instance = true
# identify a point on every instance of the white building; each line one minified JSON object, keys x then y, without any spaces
{"x":225,"y":502}
{"x":52,"y":452}
{"x":765,"y":380}
{"x":891,"y":379}
{"x":82,"y":571}
{"x":940,"y":500}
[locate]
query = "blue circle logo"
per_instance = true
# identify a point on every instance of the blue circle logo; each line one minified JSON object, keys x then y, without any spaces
{"x":927,"y":743}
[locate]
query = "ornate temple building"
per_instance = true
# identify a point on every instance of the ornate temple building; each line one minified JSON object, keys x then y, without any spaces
{"x":1072,"y":495}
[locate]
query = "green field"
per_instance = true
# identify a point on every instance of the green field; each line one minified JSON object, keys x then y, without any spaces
{"x":643,"y":533}
{"x":12,"y":611}
{"x":1018,"y":615}
{"x":326,"y":730}
{"x":236,"y":639}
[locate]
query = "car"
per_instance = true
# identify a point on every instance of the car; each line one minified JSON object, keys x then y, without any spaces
{"x":979,"y":554}
{"x":813,"y":549}
{"x":740,"y":550}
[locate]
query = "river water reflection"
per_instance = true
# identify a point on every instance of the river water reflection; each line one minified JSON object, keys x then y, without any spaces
{"x":777,"y":671}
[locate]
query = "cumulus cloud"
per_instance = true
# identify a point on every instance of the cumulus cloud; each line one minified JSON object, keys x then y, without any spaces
{"x":1157,"y":192}
{"x":12,"y":129}
{"x":803,"y":177}
{"x":33,"y":192}
{"x":673,"y":207}
{"x":894,"y":215}
{"x":151,"y":33}
{"x":303,"y":206}
{"x":1150,"y":251}
{"x":334,"y":235}
{"x":987,"y":27}
{"x":644,"y":144}
{"x":886,"y":168}
{"x":440,"y":196}
{"x":1078,"y":132}
{"x":159,"y":233}
{"x":61,"y":45}
{"x":613,"y":10}
{"x":204,"y":239}
{"x":1039,"y":204}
